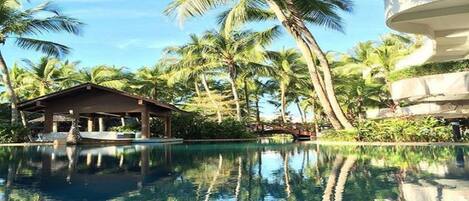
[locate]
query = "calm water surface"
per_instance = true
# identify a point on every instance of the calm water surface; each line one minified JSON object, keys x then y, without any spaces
{"x":263,"y":170}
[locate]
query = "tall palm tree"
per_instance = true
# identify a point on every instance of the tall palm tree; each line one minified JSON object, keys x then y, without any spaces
{"x":294,"y":16}
{"x":233,"y":51}
{"x":192,"y":64}
{"x":17,"y":24}
{"x":287,"y":66}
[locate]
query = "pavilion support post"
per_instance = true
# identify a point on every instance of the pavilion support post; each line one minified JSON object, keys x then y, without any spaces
{"x":55,"y":127}
{"x":90,"y":124}
{"x":167,"y":126}
{"x":48,"y":121}
{"x":145,"y":121}
{"x":101,"y":124}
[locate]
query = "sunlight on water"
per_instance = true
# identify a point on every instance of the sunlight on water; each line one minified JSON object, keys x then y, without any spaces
{"x":264,"y":170}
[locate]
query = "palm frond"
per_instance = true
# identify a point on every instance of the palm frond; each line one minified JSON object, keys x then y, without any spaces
{"x":47,"y":47}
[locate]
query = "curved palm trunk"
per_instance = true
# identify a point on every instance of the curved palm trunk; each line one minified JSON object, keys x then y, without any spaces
{"x":9,"y":89}
{"x":316,"y":50}
{"x":331,"y":180}
{"x":209,"y":93}
{"x":197,"y":90}
{"x":302,"y":115}
{"x":234,"y":89}
{"x":344,"y":171}
{"x":325,"y":95}
{"x":283,"y":103}
{"x":212,"y":184}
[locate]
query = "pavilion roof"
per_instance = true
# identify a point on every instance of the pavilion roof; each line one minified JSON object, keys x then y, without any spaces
{"x":87,"y":86}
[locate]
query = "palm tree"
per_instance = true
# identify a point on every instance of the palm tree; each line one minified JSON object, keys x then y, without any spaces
{"x":42,"y":75}
{"x":234,"y":51}
{"x":18,"y":24}
{"x":150,"y":81}
{"x":192,"y":65}
{"x":104,"y":75}
{"x":293,"y":15}
{"x":287,"y":66}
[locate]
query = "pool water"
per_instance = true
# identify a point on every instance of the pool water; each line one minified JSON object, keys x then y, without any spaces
{"x":262,"y":170}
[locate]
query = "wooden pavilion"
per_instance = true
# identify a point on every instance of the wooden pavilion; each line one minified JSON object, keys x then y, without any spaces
{"x":92,"y":101}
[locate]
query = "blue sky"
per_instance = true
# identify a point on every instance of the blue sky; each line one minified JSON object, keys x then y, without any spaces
{"x":129,"y":34}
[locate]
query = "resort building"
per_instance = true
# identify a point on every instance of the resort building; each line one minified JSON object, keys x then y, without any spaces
{"x":88,"y":103}
{"x":445,"y":25}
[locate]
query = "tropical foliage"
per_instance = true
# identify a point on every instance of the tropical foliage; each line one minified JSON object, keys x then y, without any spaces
{"x":228,"y":73}
{"x":396,"y":130}
{"x":430,"y":69}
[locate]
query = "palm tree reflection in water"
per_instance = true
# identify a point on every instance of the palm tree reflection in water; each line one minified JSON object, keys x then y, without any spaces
{"x":235,"y":171}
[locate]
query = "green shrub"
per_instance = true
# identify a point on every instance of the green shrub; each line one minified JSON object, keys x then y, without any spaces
{"x":130,"y":127}
{"x":340,"y":135}
{"x":13,"y":133}
{"x":428,"y":129}
{"x":430,"y":69}
{"x":195,"y":126}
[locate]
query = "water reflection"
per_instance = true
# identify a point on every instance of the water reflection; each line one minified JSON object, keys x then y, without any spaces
{"x":234,"y":171}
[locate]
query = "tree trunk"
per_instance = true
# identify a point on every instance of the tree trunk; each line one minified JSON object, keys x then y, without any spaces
{"x":344,"y":171}
{"x":9,"y":89}
{"x":315,"y":120}
{"x":209,"y":94}
{"x":197,"y":90}
{"x":155,"y":92}
{"x":316,"y":50}
{"x":24,"y":121}
{"x":246,"y":97}
{"x":303,"y":46}
{"x":283,"y":103}
{"x":286,"y":175}
{"x":331,"y":180}
{"x":234,"y":89}
{"x":258,"y":111}
{"x":300,"y":111}
{"x":215,"y":177}
{"x":238,"y":183}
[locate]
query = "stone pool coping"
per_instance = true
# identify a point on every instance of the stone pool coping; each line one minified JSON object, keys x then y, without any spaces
{"x":25,"y":144}
{"x":325,"y":142}
{"x":221,"y":140}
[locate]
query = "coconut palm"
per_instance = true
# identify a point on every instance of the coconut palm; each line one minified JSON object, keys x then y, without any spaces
{"x":192,"y":65}
{"x":287,"y":66}
{"x":150,"y":81}
{"x":108,"y":76}
{"x":42,"y":75}
{"x":233,"y":51}
{"x":18,"y":25}
{"x":294,"y":16}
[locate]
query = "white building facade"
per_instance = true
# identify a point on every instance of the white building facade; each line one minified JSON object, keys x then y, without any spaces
{"x":445,"y":24}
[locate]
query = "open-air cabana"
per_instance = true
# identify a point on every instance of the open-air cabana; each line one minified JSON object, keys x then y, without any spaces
{"x":93,"y":102}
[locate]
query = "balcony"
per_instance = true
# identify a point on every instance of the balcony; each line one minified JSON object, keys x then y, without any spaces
{"x":432,"y":88}
{"x":444,"y":22}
